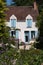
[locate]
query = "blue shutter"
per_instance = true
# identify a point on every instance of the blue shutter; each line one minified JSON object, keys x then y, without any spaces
{"x":13,"y":22}
{"x":29,"y":35}
{"x":36,"y":34}
{"x":29,"y":22}
{"x":17,"y":34}
{"x":10,"y":33}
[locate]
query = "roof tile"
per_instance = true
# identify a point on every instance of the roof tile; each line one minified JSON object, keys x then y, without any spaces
{"x":21,"y":12}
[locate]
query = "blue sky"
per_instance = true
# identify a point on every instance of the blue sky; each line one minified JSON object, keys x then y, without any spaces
{"x":9,"y":2}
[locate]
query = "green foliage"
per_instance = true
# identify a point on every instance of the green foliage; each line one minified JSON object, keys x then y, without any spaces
{"x":40,"y":19}
{"x":30,"y":57}
{"x":40,"y":5}
{"x":29,"y":3}
{"x":6,"y":58}
{"x":24,"y":2}
{"x":3,"y":29}
{"x":40,"y":28}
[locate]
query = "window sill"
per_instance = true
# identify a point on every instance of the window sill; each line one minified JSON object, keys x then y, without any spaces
{"x":29,"y":27}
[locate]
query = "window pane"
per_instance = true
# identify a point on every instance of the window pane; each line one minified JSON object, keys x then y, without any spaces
{"x":13,"y":33}
{"x":13,"y":23}
{"x":32,"y":34}
{"x":29,"y":23}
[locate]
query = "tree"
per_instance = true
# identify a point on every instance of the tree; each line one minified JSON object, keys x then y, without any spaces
{"x":40,"y":4}
{"x":3,"y":28}
{"x":6,"y":51}
{"x":24,"y":2}
{"x":40,"y":28}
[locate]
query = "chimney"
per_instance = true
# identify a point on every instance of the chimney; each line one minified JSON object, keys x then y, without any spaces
{"x":35,"y":5}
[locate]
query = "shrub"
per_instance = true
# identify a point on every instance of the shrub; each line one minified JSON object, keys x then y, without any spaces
{"x":7,"y":57}
{"x":30,"y":57}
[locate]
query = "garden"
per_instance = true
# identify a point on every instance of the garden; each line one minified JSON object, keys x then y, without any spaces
{"x":15,"y":56}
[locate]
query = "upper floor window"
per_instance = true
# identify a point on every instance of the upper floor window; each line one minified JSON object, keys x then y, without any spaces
{"x":29,"y":20}
{"x":13,"y":22}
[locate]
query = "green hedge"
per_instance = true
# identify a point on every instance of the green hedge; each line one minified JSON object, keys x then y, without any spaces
{"x":27,"y":57}
{"x":8,"y":56}
{"x":30,"y":57}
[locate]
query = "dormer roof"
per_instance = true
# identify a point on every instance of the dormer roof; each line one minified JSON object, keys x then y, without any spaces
{"x":13,"y":17}
{"x":29,"y":17}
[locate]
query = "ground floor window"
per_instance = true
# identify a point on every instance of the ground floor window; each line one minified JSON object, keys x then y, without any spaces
{"x":26,"y":36}
{"x":32,"y":34}
{"x":12,"y":33}
{"x":29,"y":35}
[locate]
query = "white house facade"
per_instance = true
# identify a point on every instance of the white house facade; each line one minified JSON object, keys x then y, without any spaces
{"x":22,"y":22}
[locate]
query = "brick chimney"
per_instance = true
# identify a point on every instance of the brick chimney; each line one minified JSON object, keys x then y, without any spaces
{"x":35,"y":5}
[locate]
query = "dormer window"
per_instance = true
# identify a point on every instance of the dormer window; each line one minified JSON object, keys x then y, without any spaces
{"x":13,"y":20}
{"x":13,"y":23}
{"x":29,"y":21}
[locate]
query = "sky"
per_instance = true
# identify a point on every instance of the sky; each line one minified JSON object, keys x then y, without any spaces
{"x":9,"y":2}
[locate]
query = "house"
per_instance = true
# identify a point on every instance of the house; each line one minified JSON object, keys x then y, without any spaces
{"x":22,"y":21}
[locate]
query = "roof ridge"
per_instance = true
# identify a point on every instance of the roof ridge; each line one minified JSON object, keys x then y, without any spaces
{"x":19,"y":6}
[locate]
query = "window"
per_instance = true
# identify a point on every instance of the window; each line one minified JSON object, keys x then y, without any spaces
{"x":13,"y":22}
{"x":26,"y":36}
{"x":12,"y":33}
{"x":29,"y":22}
{"x":32,"y":34}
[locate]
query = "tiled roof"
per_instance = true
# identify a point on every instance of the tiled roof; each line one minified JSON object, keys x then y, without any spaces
{"x":21,"y":12}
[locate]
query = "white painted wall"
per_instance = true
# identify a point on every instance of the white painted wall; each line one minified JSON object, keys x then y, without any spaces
{"x":23,"y":27}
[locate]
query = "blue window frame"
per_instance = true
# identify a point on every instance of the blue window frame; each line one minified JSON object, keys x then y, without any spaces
{"x":13,"y":22}
{"x":17,"y":34}
{"x":29,"y":22}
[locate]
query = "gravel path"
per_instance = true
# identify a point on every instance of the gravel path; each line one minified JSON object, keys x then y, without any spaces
{"x":27,"y":47}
